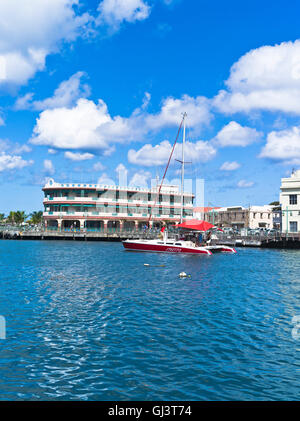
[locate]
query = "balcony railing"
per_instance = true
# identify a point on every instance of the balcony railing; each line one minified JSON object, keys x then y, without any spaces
{"x":110,"y":230}
{"x":89,"y":215}
{"x":102,"y":200}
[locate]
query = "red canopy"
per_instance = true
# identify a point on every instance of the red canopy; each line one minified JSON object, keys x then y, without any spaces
{"x":196,"y":224}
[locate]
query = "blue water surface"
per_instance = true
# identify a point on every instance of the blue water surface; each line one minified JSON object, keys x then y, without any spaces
{"x":88,"y":321}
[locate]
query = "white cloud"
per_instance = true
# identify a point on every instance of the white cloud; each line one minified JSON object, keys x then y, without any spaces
{"x":197,"y":109}
{"x":140,"y":179}
{"x":115,"y":12}
{"x":12,"y":162}
{"x":243,"y":184}
{"x":106,"y":180}
{"x":121,"y":169}
{"x":74,"y":128}
{"x":48,"y":167}
{"x":230,"y":166}
{"x":32,"y":29}
{"x":98,"y":166}
{"x":266,"y":78}
{"x":122,"y":173}
{"x":90,"y":126}
{"x":64,"y":96}
{"x":233,"y":134}
{"x":77,"y":156}
{"x":2,"y":122}
{"x":13,"y":148}
{"x":21,"y":148}
{"x":52,"y":151}
{"x":3,"y":145}
{"x":283,"y":146}
{"x":159,"y":154}
{"x":146,"y":100}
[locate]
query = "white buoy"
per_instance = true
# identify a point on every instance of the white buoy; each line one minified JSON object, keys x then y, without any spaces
{"x":154,"y":266}
{"x":182,"y":275}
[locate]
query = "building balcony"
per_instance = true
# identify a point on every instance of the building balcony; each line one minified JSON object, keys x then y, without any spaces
{"x":77,"y":201}
{"x":91,"y":215}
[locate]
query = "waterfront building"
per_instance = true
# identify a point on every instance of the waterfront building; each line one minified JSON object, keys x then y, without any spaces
{"x":277,"y":217}
{"x":238,"y":217}
{"x":232,"y":216}
{"x":290,"y":203}
{"x":261,"y":217}
{"x":95,"y":207}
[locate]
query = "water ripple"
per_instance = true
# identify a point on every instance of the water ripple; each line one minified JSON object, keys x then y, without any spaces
{"x":88,"y":321}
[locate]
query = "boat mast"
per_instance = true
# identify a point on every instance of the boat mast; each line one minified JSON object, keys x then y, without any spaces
{"x":159,"y":189}
{"x":182,"y":169}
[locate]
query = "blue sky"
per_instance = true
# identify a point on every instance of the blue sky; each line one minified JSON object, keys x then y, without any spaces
{"x":93,"y":87}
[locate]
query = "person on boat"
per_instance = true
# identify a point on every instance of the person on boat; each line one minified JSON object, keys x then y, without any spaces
{"x":199,"y":240}
{"x":208,"y":238}
{"x":162,"y":233}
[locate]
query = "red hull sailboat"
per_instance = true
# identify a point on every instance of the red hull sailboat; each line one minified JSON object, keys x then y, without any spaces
{"x":184,"y":245}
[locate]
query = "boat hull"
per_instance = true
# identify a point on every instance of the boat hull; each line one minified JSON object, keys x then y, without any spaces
{"x":221,"y":249}
{"x":163,"y":248}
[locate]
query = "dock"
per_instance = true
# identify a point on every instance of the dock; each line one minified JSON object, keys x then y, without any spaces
{"x":281,"y":241}
{"x":75,"y":236}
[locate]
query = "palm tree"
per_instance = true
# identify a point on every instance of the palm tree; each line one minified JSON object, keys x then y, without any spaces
{"x":20,"y":217}
{"x":36,"y":217}
{"x":11,"y":217}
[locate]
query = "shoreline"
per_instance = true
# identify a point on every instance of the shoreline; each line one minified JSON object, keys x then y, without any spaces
{"x":280,"y":242}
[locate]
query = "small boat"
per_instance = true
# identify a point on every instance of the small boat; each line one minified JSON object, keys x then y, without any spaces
{"x":166,"y":245}
{"x":187,"y":247}
{"x":185,"y":242}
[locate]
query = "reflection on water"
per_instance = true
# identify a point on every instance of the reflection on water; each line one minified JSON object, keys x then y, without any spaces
{"x":89,"y":321}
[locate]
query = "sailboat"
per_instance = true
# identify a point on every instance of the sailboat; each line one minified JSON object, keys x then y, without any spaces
{"x":186,"y":244}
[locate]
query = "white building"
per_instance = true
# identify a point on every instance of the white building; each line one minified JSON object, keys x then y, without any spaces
{"x":95,"y":207}
{"x":261,"y":217}
{"x":290,"y":203}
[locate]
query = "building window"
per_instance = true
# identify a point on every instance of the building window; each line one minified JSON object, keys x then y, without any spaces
{"x":293,"y":226}
{"x":293,"y":199}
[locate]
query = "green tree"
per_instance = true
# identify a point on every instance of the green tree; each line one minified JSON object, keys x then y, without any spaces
{"x":36,"y":217}
{"x":19,"y":217}
{"x":11,"y":217}
{"x":2,"y":217}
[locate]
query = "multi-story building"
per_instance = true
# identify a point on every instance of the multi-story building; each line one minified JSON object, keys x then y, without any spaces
{"x":233,"y":216}
{"x":238,"y":217}
{"x":261,"y":217}
{"x":277,"y":217}
{"x":290,"y":203}
{"x":94,"y":207}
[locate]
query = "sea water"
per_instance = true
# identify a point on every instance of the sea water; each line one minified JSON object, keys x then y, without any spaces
{"x":88,"y":321}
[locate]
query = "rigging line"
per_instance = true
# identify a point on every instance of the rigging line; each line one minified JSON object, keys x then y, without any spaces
{"x":194,"y":167}
{"x":170,"y":157}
